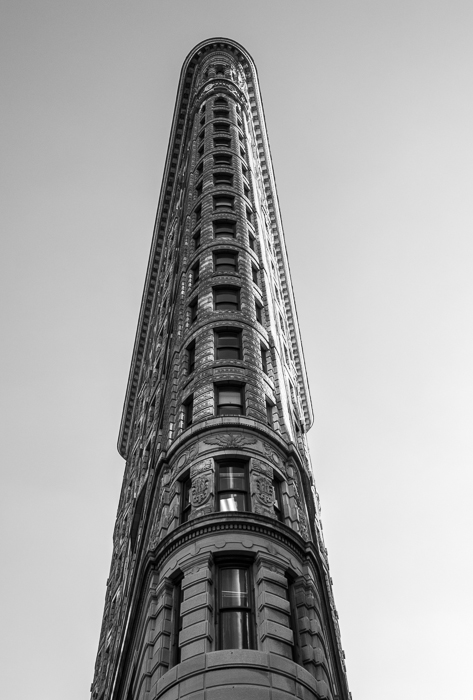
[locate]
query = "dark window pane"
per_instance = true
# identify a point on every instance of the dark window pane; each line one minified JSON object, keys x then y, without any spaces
{"x":222,"y":126}
{"x":223,"y":179}
{"x":235,"y":630}
{"x":234,"y":591}
{"x":222,"y":159}
{"x":224,"y":228}
{"x":232,"y":477}
{"x":228,"y":345}
{"x":225,"y":262}
{"x":186,"y":504}
{"x":226,"y":299}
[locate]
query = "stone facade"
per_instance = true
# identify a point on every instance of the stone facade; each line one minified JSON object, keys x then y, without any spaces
{"x":217,"y":378}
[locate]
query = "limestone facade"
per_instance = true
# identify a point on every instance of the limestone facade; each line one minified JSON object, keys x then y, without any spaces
{"x":218,"y":481}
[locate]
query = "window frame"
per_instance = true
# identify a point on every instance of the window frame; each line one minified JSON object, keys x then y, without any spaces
{"x":222,"y":141}
{"x":188,"y":411}
{"x":195,"y":270}
{"x":220,"y":332}
{"x":228,"y":253}
{"x":236,"y":564}
{"x":190,"y":350}
{"x":220,"y":127}
{"x":264,"y":359}
{"x":193,"y":307}
{"x":222,"y":178}
{"x":228,"y":386}
{"x":186,"y":507}
{"x":223,"y":202}
{"x":245,"y":491}
{"x":228,"y":227}
{"x":223,"y":159}
{"x":259,"y":312}
{"x":226,"y":289}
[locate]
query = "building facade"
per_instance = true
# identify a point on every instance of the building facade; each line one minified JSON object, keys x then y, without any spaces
{"x":219,"y":585}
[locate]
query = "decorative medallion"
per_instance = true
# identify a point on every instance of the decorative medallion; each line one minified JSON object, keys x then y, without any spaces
{"x":200,"y":491}
{"x":264,"y":491}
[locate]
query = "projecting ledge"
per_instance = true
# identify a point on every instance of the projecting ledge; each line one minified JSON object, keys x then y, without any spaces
{"x":237,"y":670}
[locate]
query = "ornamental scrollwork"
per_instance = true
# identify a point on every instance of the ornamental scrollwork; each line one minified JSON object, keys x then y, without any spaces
{"x":230,"y":440}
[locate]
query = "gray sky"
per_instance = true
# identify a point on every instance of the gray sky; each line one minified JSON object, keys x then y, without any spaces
{"x":369,"y":109}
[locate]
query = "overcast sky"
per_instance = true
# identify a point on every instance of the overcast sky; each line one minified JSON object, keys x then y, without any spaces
{"x":369,"y":109}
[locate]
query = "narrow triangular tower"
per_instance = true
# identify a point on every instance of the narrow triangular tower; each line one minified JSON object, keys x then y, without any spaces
{"x":219,"y":585}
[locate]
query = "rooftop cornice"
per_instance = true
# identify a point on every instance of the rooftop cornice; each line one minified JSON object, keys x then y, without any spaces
{"x":196,"y":56}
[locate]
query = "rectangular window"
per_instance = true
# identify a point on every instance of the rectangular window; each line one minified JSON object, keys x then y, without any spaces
{"x":222,"y":142}
{"x":269,"y":413}
{"x":246,"y":191}
{"x":193,"y":308}
{"x":202,"y":135}
{"x":225,"y":261}
{"x":229,"y":400}
{"x":196,"y":239}
{"x":202,"y":121}
{"x":200,"y":152}
{"x":235,"y":617}
{"x":254,"y":274}
{"x":226,"y":298}
{"x":177,"y":599}
{"x":223,"y":227}
{"x":222,"y":159}
{"x":227,"y":344}
{"x":186,"y":485}
{"x":244,"y":170}
{"x":188,"y":411}
{"x":252,"y":242}
{"x":291,"y":597}
{"x":264,"y":359}
{"x":221,"y":114}
{"x":198,"y":189}
{"x":278,"y":509}
{"x":248,"y":215}
{"x":195,"y":272}
{"x":222,"y":127}
{"x":224,"y":201}
{"x":259,"y":312}
{"x":221,"y":102}
{"x":191,"y":357}
{"x":225,"y":179}
{"x":198,"y":213}
{"x":232,"y":486}
{"x":200,"y":169}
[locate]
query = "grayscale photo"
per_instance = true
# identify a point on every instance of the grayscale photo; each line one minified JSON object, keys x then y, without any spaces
{"x":237,"y":350}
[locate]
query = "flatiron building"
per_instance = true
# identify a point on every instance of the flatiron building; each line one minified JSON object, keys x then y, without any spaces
{"x":219,"y":585}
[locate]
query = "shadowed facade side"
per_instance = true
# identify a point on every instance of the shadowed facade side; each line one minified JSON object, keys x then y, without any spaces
{"x":219,"y":584}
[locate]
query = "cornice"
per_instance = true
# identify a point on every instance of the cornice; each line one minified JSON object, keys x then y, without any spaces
{"x":163,"y":211}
